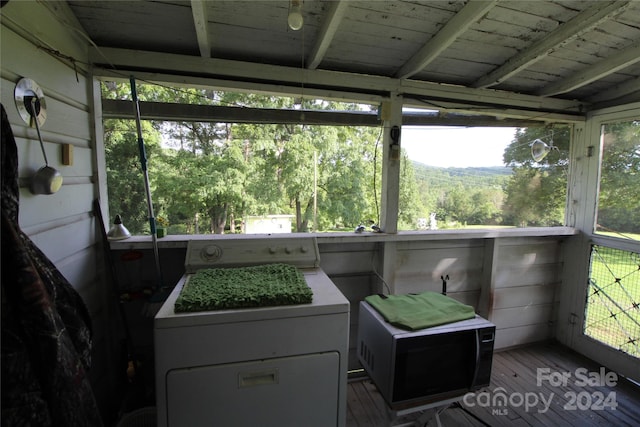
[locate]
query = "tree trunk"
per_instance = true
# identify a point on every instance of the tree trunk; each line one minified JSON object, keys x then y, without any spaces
{"x":218,"y":218}
{"x":232,"y":226}
{"x":302,"y":218}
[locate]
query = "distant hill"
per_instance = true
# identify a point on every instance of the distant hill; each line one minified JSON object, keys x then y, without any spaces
{"x":462,"y":195}
{"x":476,"y":177}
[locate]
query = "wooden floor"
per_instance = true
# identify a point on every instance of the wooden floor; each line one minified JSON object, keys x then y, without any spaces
{"x":514,"y":375}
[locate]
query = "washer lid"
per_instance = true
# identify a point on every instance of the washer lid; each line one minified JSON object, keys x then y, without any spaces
{"x":327,"y":300}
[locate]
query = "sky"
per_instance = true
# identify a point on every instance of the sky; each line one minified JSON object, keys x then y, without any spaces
{"x":456,"y":146}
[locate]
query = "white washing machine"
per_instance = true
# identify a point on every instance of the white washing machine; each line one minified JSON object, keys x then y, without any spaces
{"x":268,"y":366}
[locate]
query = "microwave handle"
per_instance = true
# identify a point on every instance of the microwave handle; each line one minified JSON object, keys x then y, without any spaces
{"x":477,"y":365}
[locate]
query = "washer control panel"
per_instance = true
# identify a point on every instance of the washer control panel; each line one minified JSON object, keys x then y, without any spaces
{"x":301,"y":252}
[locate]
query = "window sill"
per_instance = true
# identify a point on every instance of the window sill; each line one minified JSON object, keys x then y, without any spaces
{"x":180,"y":241}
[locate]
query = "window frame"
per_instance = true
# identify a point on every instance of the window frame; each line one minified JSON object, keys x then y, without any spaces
{"x":397,"y":117}
{"x":596,"y":121}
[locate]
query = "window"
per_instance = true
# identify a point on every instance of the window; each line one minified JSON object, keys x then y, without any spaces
{"x":233,"y":177}
{"x":618,"y":212}
{"x":479,"y":177}
{"x":267,"y":175}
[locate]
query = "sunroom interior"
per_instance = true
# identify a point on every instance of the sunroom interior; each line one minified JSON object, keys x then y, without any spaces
{"x":469,"y":63}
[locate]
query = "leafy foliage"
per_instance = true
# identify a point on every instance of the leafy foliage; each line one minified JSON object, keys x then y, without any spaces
{"x":124,"y":171}
{"x":536,"y":192}
{"x":618,"y":208}
{"x":461,"y":196}
{"x":207,"y":177}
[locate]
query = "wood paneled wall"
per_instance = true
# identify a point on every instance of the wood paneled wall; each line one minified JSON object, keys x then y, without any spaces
{"x":526,"y":280}
{"x":511,"y":281}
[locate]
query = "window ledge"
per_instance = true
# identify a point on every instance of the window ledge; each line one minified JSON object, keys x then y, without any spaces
{"x":180,"y":241}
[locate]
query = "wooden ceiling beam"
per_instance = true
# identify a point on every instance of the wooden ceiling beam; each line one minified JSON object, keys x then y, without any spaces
{"x":610,"y":65}
{"x":224,"y":114}
{"x":468,"y":15}
{"x":200,"y":20}
{"x":119,"y":109}
{"x":330,"y":25}
{"x":230,"y":75}
{"x":583,"y":22}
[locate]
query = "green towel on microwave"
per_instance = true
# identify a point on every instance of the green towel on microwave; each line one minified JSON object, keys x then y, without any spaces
{"x":419,"y":311}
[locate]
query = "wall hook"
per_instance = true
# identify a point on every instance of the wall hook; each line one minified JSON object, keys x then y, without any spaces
{"x":444,"y":284}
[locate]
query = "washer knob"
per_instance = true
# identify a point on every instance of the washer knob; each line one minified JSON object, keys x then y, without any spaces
{"x":211,"y":253}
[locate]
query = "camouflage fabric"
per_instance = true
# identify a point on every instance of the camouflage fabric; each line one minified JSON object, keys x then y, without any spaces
{"x":46,"y":328}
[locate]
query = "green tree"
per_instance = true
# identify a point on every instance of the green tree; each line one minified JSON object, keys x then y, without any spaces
{"x":409,"y":203}
{"x":208,"y":186}
{"x":536,"y":192}
{"x":125,"y":180}
{"x":456,"y":205}
{"x":340,"y":178}
{"x":347,"y":174}
{"x":618,"y":210}
{"x":486,"y":206}
{"x":176,"y":199}
{"x":213,"y":173}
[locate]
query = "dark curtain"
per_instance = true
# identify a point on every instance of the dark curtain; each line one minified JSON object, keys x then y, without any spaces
{"x":46,"y":327}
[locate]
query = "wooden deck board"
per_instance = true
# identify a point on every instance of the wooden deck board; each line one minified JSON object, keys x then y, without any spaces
{"x":516,"y":371}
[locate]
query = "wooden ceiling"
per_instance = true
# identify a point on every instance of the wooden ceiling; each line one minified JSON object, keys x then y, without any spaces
{"x":567,"y":56}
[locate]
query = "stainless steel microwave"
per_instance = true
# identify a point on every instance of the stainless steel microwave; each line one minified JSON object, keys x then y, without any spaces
{"x":412,"y":368}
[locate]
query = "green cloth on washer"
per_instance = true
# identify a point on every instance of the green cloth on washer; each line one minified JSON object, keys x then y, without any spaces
{"x":419,"y":311}
{"x":243,"y":287}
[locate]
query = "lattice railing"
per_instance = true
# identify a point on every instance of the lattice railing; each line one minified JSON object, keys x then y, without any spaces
{"x":612,"y":313}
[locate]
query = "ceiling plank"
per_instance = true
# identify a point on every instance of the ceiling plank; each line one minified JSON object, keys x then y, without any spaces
{"x":200,"y":20}
{"x":629,"y":91}
{"x":468,"y":15}
{"x":583,"y":22}
{"x":610,"y":65}
{"x":327,"y":32}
